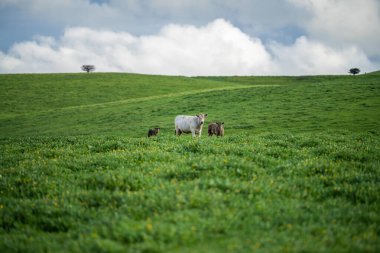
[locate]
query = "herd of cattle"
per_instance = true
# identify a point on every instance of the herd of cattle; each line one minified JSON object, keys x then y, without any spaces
{"x":193,"y":125}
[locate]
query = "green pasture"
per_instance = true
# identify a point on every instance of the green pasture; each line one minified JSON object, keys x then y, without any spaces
{"x":298,"y":169}
{"x":128,"y":105}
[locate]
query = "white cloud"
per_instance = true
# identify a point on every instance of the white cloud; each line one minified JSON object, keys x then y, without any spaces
{"x":218,"y":48}
{"x":312,"y":57}
{"x":344,"y":22}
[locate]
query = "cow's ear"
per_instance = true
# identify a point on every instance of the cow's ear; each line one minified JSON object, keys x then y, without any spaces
{"x":206,"y":115}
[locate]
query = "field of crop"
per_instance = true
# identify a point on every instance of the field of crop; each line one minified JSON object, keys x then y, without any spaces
{"x":297,"y":171}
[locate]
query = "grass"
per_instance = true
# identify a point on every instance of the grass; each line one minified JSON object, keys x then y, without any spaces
{"x":298,"y":169}
{"x":256,"y":104}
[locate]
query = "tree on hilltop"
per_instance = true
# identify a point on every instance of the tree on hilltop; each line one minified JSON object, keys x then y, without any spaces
{"x":88,"y":68}
{"x":354,"y":71}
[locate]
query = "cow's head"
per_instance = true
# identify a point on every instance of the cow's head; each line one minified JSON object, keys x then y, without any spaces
{"x":201,"y":118}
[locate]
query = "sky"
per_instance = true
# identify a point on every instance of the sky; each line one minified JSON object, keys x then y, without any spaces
{"x":190,"y":37}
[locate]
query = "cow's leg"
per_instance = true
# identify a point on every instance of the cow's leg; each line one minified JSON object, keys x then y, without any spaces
{"x":200,"y":133}
{"x":193,"y":132}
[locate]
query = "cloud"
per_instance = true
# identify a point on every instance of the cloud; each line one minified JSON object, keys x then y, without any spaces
{"x":335,"y":22}
{"x":343,"y":22}
{"x":306,"y":56}
{"x":140,"y":17}
{"x":218,"y":48}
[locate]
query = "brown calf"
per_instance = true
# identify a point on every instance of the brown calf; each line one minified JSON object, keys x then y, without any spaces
{"x":216,"y":128}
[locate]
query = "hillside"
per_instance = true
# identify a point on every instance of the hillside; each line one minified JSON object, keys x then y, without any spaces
{"x":128,"y":104}
{"x":297,"y":169}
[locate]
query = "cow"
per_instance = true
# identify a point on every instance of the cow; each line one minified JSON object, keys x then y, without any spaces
{"x":153,"y":132}
{"x":216,"y":128}
{"x":189,"y":124}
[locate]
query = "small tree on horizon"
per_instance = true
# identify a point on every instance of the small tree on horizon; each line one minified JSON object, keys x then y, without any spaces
{"x":88,"y":68}
{"x":354,"y":71}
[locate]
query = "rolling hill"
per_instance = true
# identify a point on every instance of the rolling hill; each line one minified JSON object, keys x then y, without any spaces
{"x":297,"y":169}
{"x":128,"y":104}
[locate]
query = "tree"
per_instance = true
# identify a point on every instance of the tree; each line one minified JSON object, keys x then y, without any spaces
{"x":354,"y":71}
{"x":88,"y":68}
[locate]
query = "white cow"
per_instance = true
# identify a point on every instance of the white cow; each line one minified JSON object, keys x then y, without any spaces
{"x":189,"y":124}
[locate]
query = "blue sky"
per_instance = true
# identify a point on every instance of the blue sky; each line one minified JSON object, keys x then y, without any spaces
{"x":190,"y":37}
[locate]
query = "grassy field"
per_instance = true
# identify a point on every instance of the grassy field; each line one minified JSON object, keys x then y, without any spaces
{"x":298,"y":169}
